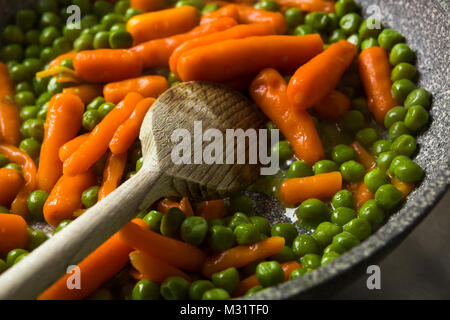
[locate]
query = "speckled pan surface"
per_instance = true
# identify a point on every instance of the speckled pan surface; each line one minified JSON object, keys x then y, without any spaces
{"x":426,"y":25}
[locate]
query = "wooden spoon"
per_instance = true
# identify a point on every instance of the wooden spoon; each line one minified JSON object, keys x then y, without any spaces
{"x":218,"y":107}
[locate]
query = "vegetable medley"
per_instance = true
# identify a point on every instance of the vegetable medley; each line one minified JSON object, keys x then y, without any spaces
{"x":73,"y":99}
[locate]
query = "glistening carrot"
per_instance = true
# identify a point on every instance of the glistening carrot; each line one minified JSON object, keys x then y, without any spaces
{"x":404,"y":187}
{"x":249,"y":14}
{"x":242,"y":255}
{"x":164,"y":23}
{"x":13,"y":232}
{"x":15,"y":155}
{"x":97,"y":143}
{"x":147,"y":86}
{"x":62,"y":124}
{"x":99,"y":266}
{"x":268,"y":90}
{"x":176,"y":253}
{"x":9,"y":112}
{"x":157,"y":52}
{"x":362,"y":194}
{"x":107,"y":65}
{"x":71,"y":146}
{"x":211,"y":209}
{"x":148,"y":5}
{"x":309,"y":5}
{"x":154,"y":269}
{"x":236,"y":32}
{"x":65,"y":196}
{"x":314,"y":80}
{"x":112,"y":174}
{"x":184,"y":205}
{"x":229,"y":11}
{"x":321,"y":186}
{"x":57,"y":61}
{"x":86,"y":92}
{"x":364,"y":157}
{"x":375,"y":73}
{"x":231,"y":59}
{"x":10,"y":184}
{"x":333,"y":106}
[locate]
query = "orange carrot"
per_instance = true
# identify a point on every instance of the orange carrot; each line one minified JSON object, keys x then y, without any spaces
{"x":15,"y":155}
{"x":71,"y":146}
{"x":364,"y":157}
{"x":164,"y":23}
{"x":318,"y":77}
{"x":10,"y":184}
{"x":65,"y":196}
{"x":157,"y":52}
{"x":211,"y":209}
{"x":107,"y":65}
{"x":112,"y":175}
{"x":249,"y":14}
{"x":63,"y":122}
{"x":13,"y":232}
{"x":148,"y":5}
{"x":9,"y":113}
{"x":231,"y":59}
{"x":128,"y":131}
{"x":252,"y":280}
{"x":362,"y":194}
{"x":333,"y":106}
{"x":99,"y":266}
{"x":242,"y":255}
{"x":321,"y":186}
{"x":147,"y":86}
{"x":229,"y":11}
{"x":97,"y":143}
{"x":309,"y":5}
{"x":176,"y":253}
{"x":153,"y":268}
{"x":375,"y":73}
{"x":57,"y":61}
{"x":268,"y":90}
{"x":404,"y":187}
{"x":236,"y":32}
{"x":86,"y":92}
{"x":184,"y":205}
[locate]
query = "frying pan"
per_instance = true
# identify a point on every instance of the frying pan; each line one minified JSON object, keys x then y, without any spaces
{"x":426,"y":25}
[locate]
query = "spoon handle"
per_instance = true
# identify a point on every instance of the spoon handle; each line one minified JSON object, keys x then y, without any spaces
{"x":49,"y":262}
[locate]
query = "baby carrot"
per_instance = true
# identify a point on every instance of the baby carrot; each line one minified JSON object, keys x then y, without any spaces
{"x":57,"y":61}
{"x":309,"y":5}
{"x":364,"y":157}
{"x":176,"y":253}
{"x":319,"y":76}
{"x":321,"y":186}
{"x":65,"y":196}
{"x":15,"y":155}
{"x":86,"y":92}
{"x":157,"y":52}
{"x":107,"y":65}
{"x":211,"y":209}
{"x":154,"y":269}
{"x":375,"y":73}
{"x":249,"y":14}
{"x":71,"y":146}
{"x":164,"y":23}
{"x":147,"y":86}
{"x":404,"y":187}
{"x":10,"y":184}
{"x":97,"y":143}
{"x":112,"y":175}
{"x":13,"y":232}
{"x":63,"y":122}
{"x":242,"y":255}
{"x":229,"y":11}
{"x":231,"y":59}
{"x":236,"y":32}
{"x":184,"y":205}
{"x":333,"y":106}
{"x":9,"y":113}
{"x":99,"y":266}
{"x":362,"y":194}
{"x":268,"y":90}
{"x":148,"y":5}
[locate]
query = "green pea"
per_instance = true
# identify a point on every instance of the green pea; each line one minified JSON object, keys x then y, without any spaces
{"x":145,"y":290}
{"x":269,"y":273}
{"x":12,"y":34}
{"x":350,"y":23}
{"x":174,"y":288}
{"x":342,"y":215}
{"x":216,"y":294}
{"x":95,"y":104}
{"x":13,"y":255}
{"x":227,"y":279}
{"x":304,"y":244}
{"x":40,"y":85}
{"x":153,"y":220}
{"x":353,"y":120}
{"x":352,"y":171}
{"x":303,"y":30}
{"x":118,"y":27}
{"x":35,"y":238}
{"x":33,"y":65}
{"x":416,"y":117}
{"x":333,"y":22}
{"x":32,"y":36}
{"x":368,"y":43}
{"x":101,"y":8}
{"x":401,"y":52}
{"x":409,"y":171}
{"x":90,"y":119}
{"x":396,"y":162}
{"x":50,"y":19}
{"x":342,"y":7}
{"x":19,"y":73}
{"x":198,"y":288}
{"x":131,"y":12}
{"x":101,"y":40}
{"x":418,"y":96}
{"x":346,"y":240}
{"x":71,"y":31}
{"x":297,"y":273}
{"x":246,"y":233}
{"x":172,"y":78}
{"x":372,"y":212}
{"x":262,"y":224}
{"x":171,"y":222}
{"x":294,"y":17}
{"x":26,"y":19}
{"x":47,"y":54}
{"x":375,"y":178}
{"x":299,"y":169}
{"x":139,"y":164}
{"x":48,"y":35}
{"x":31,"y":147}
{"x":14,"y":166}
{"x":120,"y":39}
{"x":237,"y":219}
{"x":111,"y":18}
{"x":342,"y":153}
{"x":325,"y":232}
{"x":67,"y":63}
{"x":194,"y":230}
{"x":312,"y":210}
{"x":194,"y":3}
{"x":388,"y":197}
{"x":210,"y":7}
{"x":333,"y":247}
{"x":42,"y":113}
{"x":397,"y":129}
{"x":380,"y":146}
{"x":356,"y":40}
{"x":54,"y":86}
{"x":121,"y":6}
{"x":89,"y":197}
{"x":285,"y":230}
{"x":403,"y":70}
{"x":389,"y":37}
{"x":337,"y":35}
{"x":367,"y":136}
{"x":12,"y":53}
{"x":4,"y":161}
{"x":325,"y":166}
{"x":359,"y":227}
{"x":254,"y":290}
{"x":370,"y":28}
{"x":241,"y":203}
{"x":385,"y":158}
{"x":401,"y":89}
{"x":35,"y":203}
{"x":220,"y":238}
{"x":33,"y":51}
{"x":317,"y":20}
{"x":106,"y":108}
{"x":85,"y":5}
{"x":84,"y":42}
{"x":285,"y":255}
{"x":311,"y":260}
{"x":25,"y":98}
{"x":404,"y":144}
{"x":283,"y":148}
{"x":343,"y":198}
{"x":394,"y":115}
{"x":62,"y":225}
{"x":47,"y":5}
{"x":328,"y":257}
